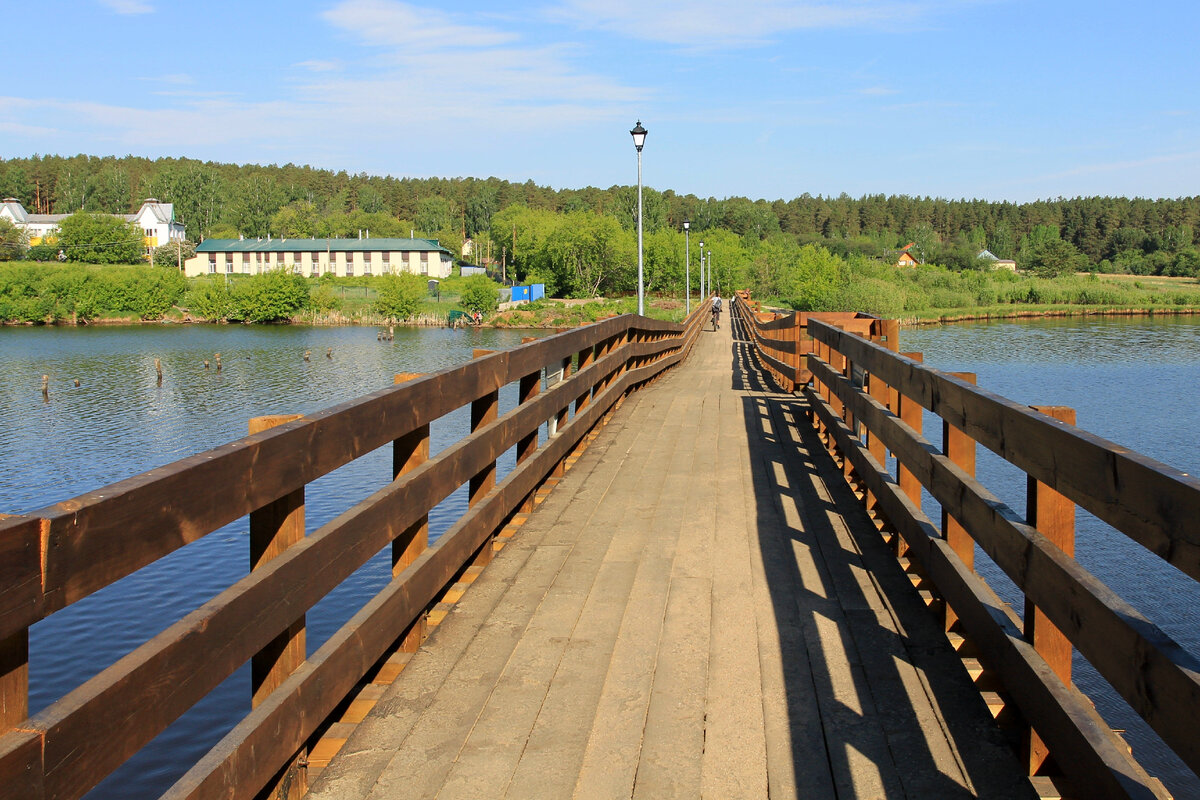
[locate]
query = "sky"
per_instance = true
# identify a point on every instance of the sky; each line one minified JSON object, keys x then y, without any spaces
{"x":1012,"y":100}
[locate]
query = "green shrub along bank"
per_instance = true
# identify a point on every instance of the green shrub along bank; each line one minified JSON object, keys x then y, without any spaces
{"x":52,"y":293}
{"x":816,"y":279}
{"x":275,"y":296}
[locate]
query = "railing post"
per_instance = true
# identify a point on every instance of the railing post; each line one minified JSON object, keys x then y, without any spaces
{"x":274,"y":528}
{"x":911,"y":414}
{"x":530,"y":387}
{"x":14,"y":654}
{"x":797,"y":358}
{"x":409,"y":452}
{"x":586,"y":356}
{"x":484,"y":411}
{"x":1054,"y":517}
{"x":960,"y":449}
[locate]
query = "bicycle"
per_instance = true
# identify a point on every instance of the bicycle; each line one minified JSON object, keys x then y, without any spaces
{"x":716,"y":318}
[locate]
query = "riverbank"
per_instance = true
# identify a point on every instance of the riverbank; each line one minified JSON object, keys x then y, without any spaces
{"x":984,"y":315}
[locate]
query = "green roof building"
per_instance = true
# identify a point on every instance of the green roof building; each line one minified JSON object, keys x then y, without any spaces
{"x":312,"y":257}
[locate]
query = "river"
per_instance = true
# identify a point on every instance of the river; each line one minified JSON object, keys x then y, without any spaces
{"x":1132,"y":380}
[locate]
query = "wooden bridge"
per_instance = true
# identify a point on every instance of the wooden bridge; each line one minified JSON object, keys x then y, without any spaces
{"x":717,"y":585}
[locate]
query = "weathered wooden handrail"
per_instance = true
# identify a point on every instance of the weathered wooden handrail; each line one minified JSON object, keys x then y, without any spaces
{"x":863,"y":387}
{"x":56,"y":556}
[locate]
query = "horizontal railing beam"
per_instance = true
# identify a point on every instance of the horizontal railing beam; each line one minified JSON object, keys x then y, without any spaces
{"x":1090,"y":754}
{"x":1154,"y":504}
{"x":1155,"y":675}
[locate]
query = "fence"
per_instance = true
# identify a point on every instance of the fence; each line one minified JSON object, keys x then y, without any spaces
{"x":61,"y":554}
{"x":867,"y":401}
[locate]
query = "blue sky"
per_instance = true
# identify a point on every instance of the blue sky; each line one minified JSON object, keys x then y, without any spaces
{"x":998,"y":99}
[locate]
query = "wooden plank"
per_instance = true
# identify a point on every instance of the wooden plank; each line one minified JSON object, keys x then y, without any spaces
{"x":960,"y":449}
{"x":20,"y":582}
{"x":1054,"y":516}
{"x":409,"y":452}
{"x":21,"y":765}
{"x":248,"y":754}
{"x":1152,"y":503}
{"x":1159,"y":679}
{"x":1087,"y":749}
{"x":20,"y":574}
{"x":274,"y":528}
{"x":100,"y":536}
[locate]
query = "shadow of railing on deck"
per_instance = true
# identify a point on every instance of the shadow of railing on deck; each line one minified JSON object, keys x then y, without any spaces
{"x":872,"y":686}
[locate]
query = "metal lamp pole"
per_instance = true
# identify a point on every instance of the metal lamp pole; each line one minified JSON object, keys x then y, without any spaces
{"x":639,"y":139}
{"x":687,"y":267}
{"x":701,"y":271}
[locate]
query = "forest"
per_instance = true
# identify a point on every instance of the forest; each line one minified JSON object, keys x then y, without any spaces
{"x":581,"y":242}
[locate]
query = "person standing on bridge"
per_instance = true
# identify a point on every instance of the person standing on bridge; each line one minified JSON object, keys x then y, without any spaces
{"x":716,"y":311}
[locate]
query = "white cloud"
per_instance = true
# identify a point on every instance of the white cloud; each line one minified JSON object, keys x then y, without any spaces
{"x":877,"y":91}
{"x":316,"y":65}
{"x":433,"y":61}
{"x":731,"y":23}
{"x":128,"y":6}
{"x":391,"y":23}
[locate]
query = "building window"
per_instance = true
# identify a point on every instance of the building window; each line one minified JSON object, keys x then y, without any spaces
{"x":229,"y":264}
{"x":367,"y":259}
{"x":212,"y":262}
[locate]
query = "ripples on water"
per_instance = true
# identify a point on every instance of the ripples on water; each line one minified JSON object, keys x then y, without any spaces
{"x":119,"y":423}
{"x":1132,"y":381}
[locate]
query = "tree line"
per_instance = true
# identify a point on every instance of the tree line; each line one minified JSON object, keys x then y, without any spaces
{"x":1107,"y":234}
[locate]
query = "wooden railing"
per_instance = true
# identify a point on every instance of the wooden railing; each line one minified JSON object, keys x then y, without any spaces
{"x":866,"y":401}
{"x":61,"y":554}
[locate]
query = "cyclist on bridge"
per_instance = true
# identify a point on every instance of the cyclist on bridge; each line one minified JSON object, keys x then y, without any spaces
{"x":716,"y":312}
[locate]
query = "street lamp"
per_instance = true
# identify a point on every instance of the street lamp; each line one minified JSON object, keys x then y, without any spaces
{"x":710,"y":272}
{"x":702,"y":271}
{"x":639,"y":139}
{"x":687,"y":267}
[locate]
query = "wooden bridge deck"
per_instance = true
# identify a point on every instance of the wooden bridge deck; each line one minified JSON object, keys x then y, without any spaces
{"x":697,"y":610}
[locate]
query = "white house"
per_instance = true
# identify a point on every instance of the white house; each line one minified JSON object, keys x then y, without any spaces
{"x":312,"y":257}
{"x":156,"y":220}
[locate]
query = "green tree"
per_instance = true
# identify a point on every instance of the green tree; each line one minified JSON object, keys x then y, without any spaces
{"x":480,"y":207}
{"x":210,"y":299}
{"x":99,"y":239}
{"x":433,"y":214}
{"x":197,"y":192}
{"x":400,"y":295}
{"x":172,"y":254}
{"x":255,"y":200}
{"x":588,"y":254}
{"x":274,"y":296}
{"x":13,"y":241}
{"x":479,"y":293}
{"x":1054,"y":257}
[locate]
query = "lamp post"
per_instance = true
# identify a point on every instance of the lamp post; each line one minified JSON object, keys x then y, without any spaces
{"x":701,"y":271}
{"x":687,"y":267}
{"x":639,"y":139}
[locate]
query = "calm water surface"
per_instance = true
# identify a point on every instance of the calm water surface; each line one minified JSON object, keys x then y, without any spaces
{"x":1134,"y":382}
{"x":1131,"y":380}
{"x":119,"y":422}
